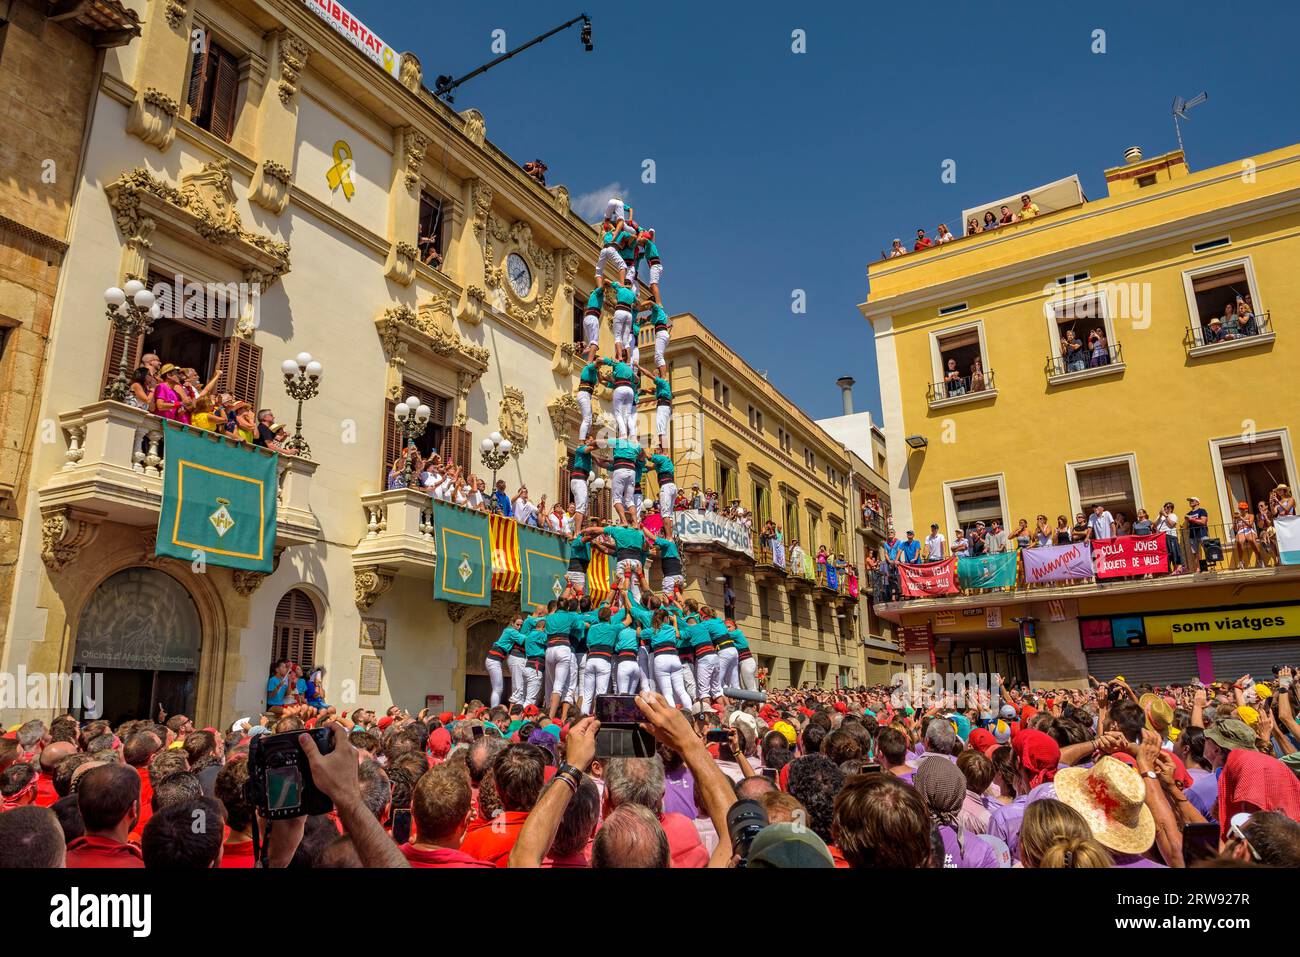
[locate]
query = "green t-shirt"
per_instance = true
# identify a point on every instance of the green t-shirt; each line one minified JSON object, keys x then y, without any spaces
{"x":590,"y":374}
{"x":663,"y":391}
{"x":597,"y":299}
{"x":667,"y":548}
{"x":624,"y":296}
{"x":738,"y":636}
{"x":665,"y":637}
{"x":625,"y":536}
{"x":535,"y":643}
{"x":627,"y":640}
{"x":623,"y":372}
{"x":559,"y":622}
{"x":582,"y":459}
{"x":602,"y":635}
{"x":663,"y":465}
{"x":649,"y":250}
{"x":641,"y":617}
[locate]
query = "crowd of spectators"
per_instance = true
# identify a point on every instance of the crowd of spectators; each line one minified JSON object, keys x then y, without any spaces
{"x":1005,"y":216}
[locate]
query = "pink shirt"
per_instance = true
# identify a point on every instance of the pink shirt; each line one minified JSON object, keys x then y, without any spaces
{"x":166,"y":393}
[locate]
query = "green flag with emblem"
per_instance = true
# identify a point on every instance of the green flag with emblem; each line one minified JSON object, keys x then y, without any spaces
{"x":219,"y":499}
{"x":987,"y":571}
{"x":543,"y":560}
{"x":464,"y":572}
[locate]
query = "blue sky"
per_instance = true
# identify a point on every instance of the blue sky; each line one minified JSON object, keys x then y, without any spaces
{"x":778,"y":171}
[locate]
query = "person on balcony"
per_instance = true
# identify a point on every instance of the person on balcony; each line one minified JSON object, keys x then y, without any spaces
{"x":1098,"y":349}
{"x":897,"y":249}
{"x":953,"y":383}
{"x":1023,"y":538}
{"x":1244,"y":324}
{"x":944,"y":235}
{"x":910,"y":552}
{"x":168,"y":402}
{"x":1244,"y":536}
{"x":1142,"y":524}
{"x":990,"y":221}
{"x":1063,"y":534}
{"x":973,"y":226}
{"x":995,"y":540}
{"x":936,"y":546}
{"x":1082,"y":530}
{"x":977,"y":383}
{"x":960,"y":544}
{"x":1167,"y":522}
{"x":1213,"y":332}
{"x":1072,"y":352}
{"x":1028,"y":208}
{"x":1101,"y":522}
{"x":922,"y":241}
{"x":1006,"y":216}
{"x":1198,"y":528}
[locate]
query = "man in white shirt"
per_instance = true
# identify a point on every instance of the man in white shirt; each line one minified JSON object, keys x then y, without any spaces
{"x":524,"y":511}
{"x":935,"y":544}
{"x":995,"y":542}
{"x":1101,"y":522}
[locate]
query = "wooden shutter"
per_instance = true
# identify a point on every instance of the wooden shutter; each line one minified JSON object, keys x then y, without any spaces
{"x":242,"y":363}
{"x":112,"y":361}
{"x":225,"y":92}
{"x":392,"y":441}
{"x":204,"y":310}
{"x":198,"y":77}
{"x":295,"y":628}
{"x":458,"y":447}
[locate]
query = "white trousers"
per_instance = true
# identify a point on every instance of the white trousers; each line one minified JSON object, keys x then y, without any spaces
{"x":627,"y":676}
{"x":663,"y":418}
{"x":578,"y":491}
{"x":661,"y":344}
{"x":728,"y":668}
{"x":646,"y":668}
{"x":656,"y":270}
{"x":749,"y":673}
{"x":595,"y":680}
{"x":574,"y":685}
{"x":671,"y":583}
{"x":559,"y":662}
{"x":609,"y":257}
{"x":708,"y":676}
{"x":624,"y":403}
{"x":622,"y":328}
{"x":667,"y":495}
{"x":622,"y":483}
{"x":614,"y":211}
{"x":590,"y":329}
{"x":670,"y":677}
{"x":533,"y":685}
{"x":517,"y":679}
{"x":584,"y":404}
{"x":688,"y":679}
{"x":493,"y":666}
{"x":630,"y":569}
{"x":638,"y":501}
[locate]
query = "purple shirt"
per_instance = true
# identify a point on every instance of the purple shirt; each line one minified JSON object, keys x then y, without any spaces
{"x":969,"y":852}
{"x":679,"y":792}
{"x":1005,"y":821}
{"x":1133,"y":860}
{"x":1204,"y":792}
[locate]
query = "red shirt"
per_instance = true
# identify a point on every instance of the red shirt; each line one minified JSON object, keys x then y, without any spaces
{"x":91,"y":851}
{"x":238,"y":855}
{"x":684,"y":841}
{"x":439,"y":857}
{"x":579,"y":858}
{"x":922,"y":243}
{"x":146,"y":799}
{"x":836,"y":856}
{"x":45,"y":793}
{"x":492,"y":841}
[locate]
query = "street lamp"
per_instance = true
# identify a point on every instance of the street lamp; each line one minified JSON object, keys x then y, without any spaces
{"x":413,"y":417}
{"x":495,"y":451}
{"x":301,"y":382}
{"x":132,"y":311}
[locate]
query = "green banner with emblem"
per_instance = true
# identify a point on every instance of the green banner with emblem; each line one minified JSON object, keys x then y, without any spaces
{"x":464,"y":572}
{"x":219,"y":500}
{"x":543,"y":560}
{"x":987,"y":571}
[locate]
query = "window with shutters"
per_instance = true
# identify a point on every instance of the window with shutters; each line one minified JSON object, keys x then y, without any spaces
{"x":1252,"y":469}
{"x":431,"y":232}
{"x":1110,"y":483}
{"x":960,"y":362}
{"x":975,"y":500}
{"x":436,"y":437}
{"x":214,"y":87}
{"x":294,"y":635}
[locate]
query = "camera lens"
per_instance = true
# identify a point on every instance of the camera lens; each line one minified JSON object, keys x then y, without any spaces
{"x":744,"y":820}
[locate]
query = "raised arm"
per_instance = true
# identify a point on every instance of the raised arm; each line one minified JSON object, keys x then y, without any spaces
{"x":538,"y":832}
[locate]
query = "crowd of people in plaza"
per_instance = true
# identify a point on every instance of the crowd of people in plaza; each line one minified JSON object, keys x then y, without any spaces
{"x":1115,"y":776}
{"x":1252,"y":533}
{"x":1003,"y":217}
{"x":180,"y":395}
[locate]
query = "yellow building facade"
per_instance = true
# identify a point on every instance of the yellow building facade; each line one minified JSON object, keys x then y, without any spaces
{"x":989,"y":412}
{"x":735,"y":434}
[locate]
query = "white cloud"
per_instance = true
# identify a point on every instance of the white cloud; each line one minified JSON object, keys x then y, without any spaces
{"x":591,"y":206}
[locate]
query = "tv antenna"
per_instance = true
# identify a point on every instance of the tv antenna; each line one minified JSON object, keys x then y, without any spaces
{"x":445,"y":84}
{"x":1180,"y":109}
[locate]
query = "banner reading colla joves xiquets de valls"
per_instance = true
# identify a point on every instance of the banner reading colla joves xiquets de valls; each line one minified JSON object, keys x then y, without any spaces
{"x":219,"y":500}
{"x":710,"y":528}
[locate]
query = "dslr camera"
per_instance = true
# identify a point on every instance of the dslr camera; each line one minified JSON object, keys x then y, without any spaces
{"x":279,"y":777}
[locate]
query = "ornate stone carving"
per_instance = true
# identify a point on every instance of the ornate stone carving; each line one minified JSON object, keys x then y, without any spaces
{"x":563,"y":409}
{"x":456,"y":611}
{"x":501,"y":239}
{"x":175,"y":13}
{"x":400,"y":265}
{"x":438,"y":340}
{"x":270,"y":187}
{"x":560,"y":196}
{"x":567,"y":358}
{"x":414,"y":145}
{"x":475,"y":128}
{"x":412,"y":73}
{"x":153,"y":117}
{"x":464,"y":382}
{"x":371,"y":585}
{"x":206,"y":195}
{"x":293,"y":59}
{"x":512,"y":419}
{"x":64,"y":534}
{"x":247,"y":582}
{"x":482,"y":194}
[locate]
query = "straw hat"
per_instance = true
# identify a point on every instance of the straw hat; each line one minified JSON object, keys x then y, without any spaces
{"x":1159,"y":715}
{"x":1111,"y":797}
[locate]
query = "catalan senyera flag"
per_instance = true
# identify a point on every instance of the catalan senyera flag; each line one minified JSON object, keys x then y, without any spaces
{"x":219,"y":500}
{"x":464,"y":572}
{"x":599,"y":576}
{"x":505,"y":553}
{"x":543,"y":559}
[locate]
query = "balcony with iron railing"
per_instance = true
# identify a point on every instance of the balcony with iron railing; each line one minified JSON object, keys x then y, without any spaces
{"x":1109,"y":361}
{"x":956,"y":389}
{"x":114,"y":461}
{"x":1203,"y":340}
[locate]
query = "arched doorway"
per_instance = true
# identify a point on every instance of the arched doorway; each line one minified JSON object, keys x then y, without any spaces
{"x":478,"y":640}
{"x":141,"y":630}
{"x":296,"y":625}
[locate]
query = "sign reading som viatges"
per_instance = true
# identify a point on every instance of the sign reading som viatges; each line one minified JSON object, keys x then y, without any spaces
{"x":703,"y":528}
{"x":1232,"y":624}
{"x":359,"y":35}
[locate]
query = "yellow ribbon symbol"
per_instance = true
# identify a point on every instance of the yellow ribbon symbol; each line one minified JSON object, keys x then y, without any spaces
{"x":340,"y":174}
{"x":388,"y":59}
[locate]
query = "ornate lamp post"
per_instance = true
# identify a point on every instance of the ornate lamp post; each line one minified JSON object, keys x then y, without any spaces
{"x":413,"y":416}
{"x":595,"y":487}
{"x":301,"y":382}
{"x":495,"y":451}
{"x":132,"y":311}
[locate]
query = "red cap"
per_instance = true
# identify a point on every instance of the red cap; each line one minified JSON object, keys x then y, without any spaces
{"x":385,"y":722}
{"x":530,"y":711}
{"x":446,"y":717}
{"x":841,"y":707}
{"x":1038,"y":753}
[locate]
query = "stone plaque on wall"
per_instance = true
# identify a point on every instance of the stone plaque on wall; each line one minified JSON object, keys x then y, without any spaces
{"x":372,"y":675}
{"x":374,"y":633}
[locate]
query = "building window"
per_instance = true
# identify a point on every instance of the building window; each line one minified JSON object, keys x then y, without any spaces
{"x":214,"y":87}
{"x":295,"y":627}
{"x":439,"y":436}
{"x":1250,"y":471}
{"x":960,"y":363}
{"x":975,"y":500}
{"x":727,"y":484}
{"x":755,"y":419}
{"x":784,"y":439}
{"x":837,"y":537}
{"x":721,"y":393}
{"x":791,"y":522}
{"x":1224,"y":305}
{"x":809,"y":459}
{"x":1111,"y":483}
{"x":1083,"y":339}
{"x":814,"y":531}
{"x":430,"y":239}
{"x":579,"y":310}
{"x":762,"y":505}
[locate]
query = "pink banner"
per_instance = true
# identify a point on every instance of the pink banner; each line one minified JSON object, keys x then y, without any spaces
{"x":1130,"y":555}
{"x":1057,"y":563}
{"x":928,"y":580}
